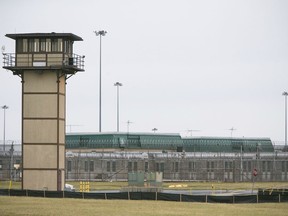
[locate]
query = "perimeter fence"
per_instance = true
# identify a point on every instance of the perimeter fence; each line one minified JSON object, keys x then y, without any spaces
{"x":264,"y":197}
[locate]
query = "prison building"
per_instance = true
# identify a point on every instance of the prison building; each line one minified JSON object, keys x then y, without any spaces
{"x":111,"y":156}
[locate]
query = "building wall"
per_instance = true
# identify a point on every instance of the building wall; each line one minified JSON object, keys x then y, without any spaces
{"x":175,"y":167}
{"x":43,"y":137}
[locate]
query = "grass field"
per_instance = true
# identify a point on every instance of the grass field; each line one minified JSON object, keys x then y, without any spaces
{"x":48,"y":206}
{"x":175,"y":185}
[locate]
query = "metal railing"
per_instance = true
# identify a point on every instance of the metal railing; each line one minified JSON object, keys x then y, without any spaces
{"x":8,"y":59}
{"x":77,"y":61}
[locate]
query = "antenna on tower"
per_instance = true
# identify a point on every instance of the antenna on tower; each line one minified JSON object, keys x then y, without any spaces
{"x":190,"y":132}
{"x":3,"y":49}
{"x":232,"y":129}
{"x":70,"y":127}
{"x":128,"y":124}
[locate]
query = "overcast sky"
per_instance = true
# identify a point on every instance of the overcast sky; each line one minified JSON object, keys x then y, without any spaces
{"x":185,"y":65}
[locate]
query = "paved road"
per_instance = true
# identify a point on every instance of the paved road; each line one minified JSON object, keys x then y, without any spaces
{"x":212,"y":192}
{"x":195,"y":192}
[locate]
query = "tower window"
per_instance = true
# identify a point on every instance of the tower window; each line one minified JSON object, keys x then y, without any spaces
{"x":48,"y":45}
{"x":57,"y":45}
{"x":42,"y":45}
{"x":31,"y":45}
{"x":36,"y":45}
{"x":54,"y":43}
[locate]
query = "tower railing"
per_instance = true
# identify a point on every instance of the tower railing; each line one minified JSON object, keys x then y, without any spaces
{"x":78,"y":61}
{"x":10,"y":59}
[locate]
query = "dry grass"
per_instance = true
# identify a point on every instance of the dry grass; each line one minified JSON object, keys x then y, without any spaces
{"x":48,"y":206}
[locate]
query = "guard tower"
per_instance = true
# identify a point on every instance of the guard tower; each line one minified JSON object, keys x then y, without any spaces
{"x":43,"y":61}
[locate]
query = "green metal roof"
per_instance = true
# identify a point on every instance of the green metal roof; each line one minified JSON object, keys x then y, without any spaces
{"x":166,"y":142}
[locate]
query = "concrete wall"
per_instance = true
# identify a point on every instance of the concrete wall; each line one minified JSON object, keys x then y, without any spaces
{"x":43,"y":130}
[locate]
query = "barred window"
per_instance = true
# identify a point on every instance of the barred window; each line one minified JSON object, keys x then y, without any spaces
{"x":146,"y":166}
{"x":210,"y":166}
{"x":160,"y":167}
{"x":69,"y":166}
{"x":86,"y":166}
{"x":249,"y":166}
{"x":91,"y":166}
{"x":191,"y":166}
{"x":129,"y":166}
{"x":176,"y":166}
{"x":264,"y":166}
{"x":113,"y":166}
{"x":135,"y":167}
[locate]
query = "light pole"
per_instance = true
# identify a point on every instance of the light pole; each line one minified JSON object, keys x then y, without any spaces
{"x":100,"y":33}
{"x":118,"y":84}
{"x":4,"y":108}
{"x":285,"y":94}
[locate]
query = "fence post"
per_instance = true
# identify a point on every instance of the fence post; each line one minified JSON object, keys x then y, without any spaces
{"x":206,"y":198}
{"x":128,"y":195}
{"x":279,"y":198}
{"x":156,"y":196}
{"x":180,"y":197}
{"x":105,"y":196}
{"x":257,"y":198}
{"x":233,"y":199}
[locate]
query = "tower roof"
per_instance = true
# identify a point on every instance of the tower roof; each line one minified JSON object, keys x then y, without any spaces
{"x":45,"y":35}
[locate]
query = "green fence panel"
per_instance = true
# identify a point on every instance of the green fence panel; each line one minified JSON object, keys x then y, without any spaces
{"x":4,"y":192}
{"x":70,"y":194}
{"x":94,"y":195}
{"x":193,"y":198}
{"x":17,"y":192}
{"x":168,"y":197}
{"x":54,"y":194}
{"x":262,"y":198}
{"x":268,"y":198}
{"x":35,"y":193}
{"x":245,"y":199}
{"x":149,"y":195}
{"x":219,"y":199}
{"x":121,"y":195}
{"x":283,"y":198}
{"x":135,"y":195}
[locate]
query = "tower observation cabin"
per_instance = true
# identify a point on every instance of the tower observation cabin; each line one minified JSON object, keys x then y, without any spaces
{"x":44,"y":51}
{"x":44,"y":62}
